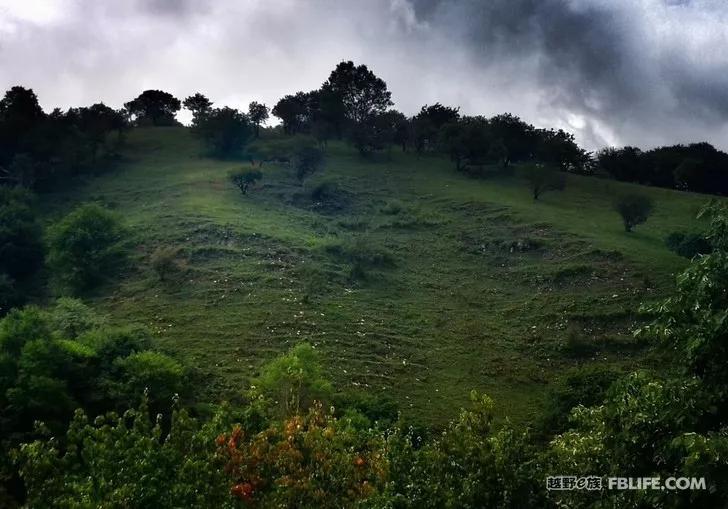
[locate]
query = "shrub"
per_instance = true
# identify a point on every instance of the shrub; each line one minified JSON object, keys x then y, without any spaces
{"x":541,"y":180}
{"x":164,"y":262}
{"x":244,"y":179}
{"x":141,"y":372}
{"x":291,"y":382}
{"x":688,"y":245}
{"x":71,"y":317}
{"x":307,"y":160}
{"x":84,"y":247}
{"x":362,"y":254}
{"x":634,"y":209}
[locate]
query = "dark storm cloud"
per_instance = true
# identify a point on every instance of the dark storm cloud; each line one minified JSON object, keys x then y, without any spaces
{"x":634,"y":68}
{"x":619,"y":71}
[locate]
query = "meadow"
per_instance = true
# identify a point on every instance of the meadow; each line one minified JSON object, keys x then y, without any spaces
{"x":414,"y":281}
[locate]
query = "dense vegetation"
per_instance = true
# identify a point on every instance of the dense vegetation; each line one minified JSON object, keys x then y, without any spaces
{"x":345,"y":298}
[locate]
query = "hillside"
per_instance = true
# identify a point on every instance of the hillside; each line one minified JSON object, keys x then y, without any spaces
{"x":469,"y":284}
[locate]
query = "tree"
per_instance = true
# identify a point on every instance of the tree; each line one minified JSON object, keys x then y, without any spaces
{"x":306,"y":161}
{"x":244,"y":179}
{"x":293,"y":381}
{"x":154,"y":106}
{"x":20,"y":116}
{"x":84,"y":247}
{"x":96,"y":122}
{"x":634,"y":209}
{"x":258,"y":114}
{"x":293,"y":112}
{"x":557,"y":147}
{"x":360,"y":91}
{"x":21,"y":246}
{"x":541,"y":180}
{"x":225,"y":131}
{"x":153,"y":373}
{"x":199,"y":105}
{"x":624,"y":163}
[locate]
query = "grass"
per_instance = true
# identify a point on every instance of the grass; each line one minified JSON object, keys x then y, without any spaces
{"x":464,"y":284}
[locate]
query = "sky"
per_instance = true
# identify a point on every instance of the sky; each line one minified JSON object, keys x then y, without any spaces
{"x":613,"y":72}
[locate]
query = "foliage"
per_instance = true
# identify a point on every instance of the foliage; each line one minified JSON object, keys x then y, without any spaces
{"x":199,"y":105}
{"x":293,"y":381}
{"x":225,"y":131}
{"x":258,"y":114}
{"x":244,"y":179}
{"x":360,"y":91}
{"x":470,"y":466}
{"x":70,"y":318}
{"x":307,"y":460}
{"x":634,"y":209}
{"x":688,"y":245}
{"x":306,"y":161}
{"x":84,"y":247}
{"x":127,"y":461}
{"x":154,"y":106}
{"x":541,"y":180}
{"x":155,"y":374}
{"x":21,"y":246}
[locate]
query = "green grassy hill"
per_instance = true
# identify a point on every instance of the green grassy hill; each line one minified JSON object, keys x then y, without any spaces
{"x":470,"y":285}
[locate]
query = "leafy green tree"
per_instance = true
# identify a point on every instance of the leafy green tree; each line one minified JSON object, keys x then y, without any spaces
{"x":147,"y":371}
{"x":127,"y":461}
{"x":84,"y":246}
{"x":70,"y":318}
{"x":634,"y":209}
{"x":258,"y":114}
{"x":155,"y":107}
{"x":293,"y":381}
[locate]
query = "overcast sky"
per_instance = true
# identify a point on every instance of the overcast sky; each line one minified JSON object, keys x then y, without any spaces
{"x":641,"y":72}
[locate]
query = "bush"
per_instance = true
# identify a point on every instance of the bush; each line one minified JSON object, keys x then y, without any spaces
{"x":307,"y":160}
{"x":634,"y":209}
{"x":585,"y":386}
{"x":84,"y":247}
{"x":688,"y":245}
{"x":293,"y":381}
{"x":148,"y":372}
{"x":392,"y":208}
{"x":362,"y":255}
{"x":244,"y":179}
{"x":71,"y":317}
{"x":164,"y":262}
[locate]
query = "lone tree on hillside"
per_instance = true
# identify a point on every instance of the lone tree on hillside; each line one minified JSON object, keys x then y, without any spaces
{"x":199,"y":105}
{"x":634,"y":209}
{"x":244,"y":179}
{"x":542,"y":180}
{"x":258,"y":114}
{"x":154,"y":106}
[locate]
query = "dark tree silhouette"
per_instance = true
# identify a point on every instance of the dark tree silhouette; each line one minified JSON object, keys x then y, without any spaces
{"x":634,"y":209}
{"x":199,"y":105}
{"x":154,"y":106}
{"x":225,"y":131}
{"x":258,"y":114}
{"x":360,"y":91}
